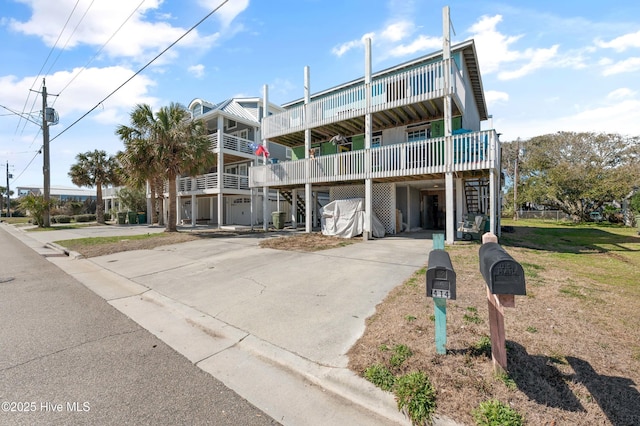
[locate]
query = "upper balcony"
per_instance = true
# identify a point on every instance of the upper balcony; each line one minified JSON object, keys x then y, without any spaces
{"x":422,"y":159}
{"x":235,"y":148}
{"x":410,"y":95}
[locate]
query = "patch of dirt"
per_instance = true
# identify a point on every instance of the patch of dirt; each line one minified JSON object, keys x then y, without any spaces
{"x":307,"y":242}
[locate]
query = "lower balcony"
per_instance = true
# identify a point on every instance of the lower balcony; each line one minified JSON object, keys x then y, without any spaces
{"x":208,"y":183}
{"x":457,"y":153}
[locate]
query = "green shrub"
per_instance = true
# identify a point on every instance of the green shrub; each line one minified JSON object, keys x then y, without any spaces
{"x":61,"y":218}
{"x":400,"y":355}
{"x":85,"y":218}
{"x":380,"y":376}
{"x":416,"y":397}
{"x":496,"y":413}
{"x":107,"y":216}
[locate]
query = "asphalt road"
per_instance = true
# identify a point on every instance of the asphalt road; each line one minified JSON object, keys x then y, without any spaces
{"x":68,"y":357}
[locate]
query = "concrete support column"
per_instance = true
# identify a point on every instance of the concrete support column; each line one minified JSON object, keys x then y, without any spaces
{"x":220,"y":199}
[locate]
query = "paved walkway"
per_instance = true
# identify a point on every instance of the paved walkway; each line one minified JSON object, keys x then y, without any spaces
{"x":274,"y":326}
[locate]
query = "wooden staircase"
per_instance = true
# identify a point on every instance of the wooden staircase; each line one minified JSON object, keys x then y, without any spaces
{"x":298,"y":204}
{"x":474,"y":189}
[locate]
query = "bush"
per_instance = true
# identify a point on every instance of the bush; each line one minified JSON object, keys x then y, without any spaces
{"x":61,"y":218}
{"x":416,"y":397}
{"x":496,"y":413}
{"x":400,"y":355}
{"x":85,"y":218}
{"x":380,"y":376}
{"x":107,"y":216}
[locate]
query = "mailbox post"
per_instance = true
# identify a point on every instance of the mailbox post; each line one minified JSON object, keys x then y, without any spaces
{"x":505,"y":279}
{"x":441,"y":285}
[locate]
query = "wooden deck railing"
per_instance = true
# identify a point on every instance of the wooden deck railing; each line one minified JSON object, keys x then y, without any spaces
{"x":209,"y":181}
{"x":468,"y":151}
{"x":231,"y":142}
{"x":405,"y":88}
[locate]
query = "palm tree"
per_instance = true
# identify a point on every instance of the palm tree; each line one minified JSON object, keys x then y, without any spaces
{"x":168,"y":143}
{"x":95,"y":168}
{"x":138,"y":161}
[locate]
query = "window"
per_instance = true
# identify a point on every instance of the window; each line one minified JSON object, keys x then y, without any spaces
{"x":244,"y":133}
{"x":231,"y":124}
{"x":416,"y":135}
{"x":314,"y":152}
{"x":288,"y":153}
{"x":376,"y":141}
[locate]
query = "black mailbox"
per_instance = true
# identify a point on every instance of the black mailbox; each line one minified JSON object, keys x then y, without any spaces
{"x":441,"y":278}
{"x":501,"y":272}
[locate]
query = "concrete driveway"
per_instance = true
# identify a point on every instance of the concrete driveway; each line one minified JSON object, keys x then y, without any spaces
{"x":274,"y":326}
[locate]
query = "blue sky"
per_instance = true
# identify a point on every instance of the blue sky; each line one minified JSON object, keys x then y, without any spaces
{"x":546,"y":66}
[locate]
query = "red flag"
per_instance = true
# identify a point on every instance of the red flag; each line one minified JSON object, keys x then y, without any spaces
{"x":262,"y":150}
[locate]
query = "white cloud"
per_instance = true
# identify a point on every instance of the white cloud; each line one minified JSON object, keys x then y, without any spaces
{"x":493,"y":47}
{"x":397,"y":31}
{"x":420,"y":44}
{"x":538,"y":58}
{"x":622,"y":43}
{"x":624,"y":66}
{"x":612,"y":117}
{"x":227,"y":13}
{"x":496,"y":50}
{"x":197,"y":70}
{"x":621,"y":93}
{"x":140,"y":38}
{"x":493,"y":97}
{"x":347,"y":46}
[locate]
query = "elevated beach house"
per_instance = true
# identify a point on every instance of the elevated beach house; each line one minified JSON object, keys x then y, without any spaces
{"x":408,"y":140}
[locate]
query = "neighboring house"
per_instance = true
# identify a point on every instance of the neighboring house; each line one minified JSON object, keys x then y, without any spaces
{"x":407,"y":139}
{"x":222,"y":196}
{"x":62,"y":193}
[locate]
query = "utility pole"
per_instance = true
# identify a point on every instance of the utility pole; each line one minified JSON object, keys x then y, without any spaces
{"x":45,"y":152}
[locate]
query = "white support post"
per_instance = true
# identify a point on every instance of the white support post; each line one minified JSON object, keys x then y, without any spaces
{"x":294,"y":208}
{"x":220,"y":167}
{"x":368,"y":130}
{"x":178,"y":209}
{"x":493,"y":194}
{"x":308,"y":207}
{"x":265,"y":189}
{"x":194,"y":206}
{"x":450,"y":225}
{"x":459,"y":204}
{"x":210,"y":210}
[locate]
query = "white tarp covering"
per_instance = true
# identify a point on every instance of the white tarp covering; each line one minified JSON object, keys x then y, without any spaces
{"x":345,"y":218}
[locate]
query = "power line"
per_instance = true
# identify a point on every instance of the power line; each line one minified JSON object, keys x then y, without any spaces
{"x":99,"y":50}
{"x":43,"y":65}
{"x":142,"y":69}
{"x":70,"y":36}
